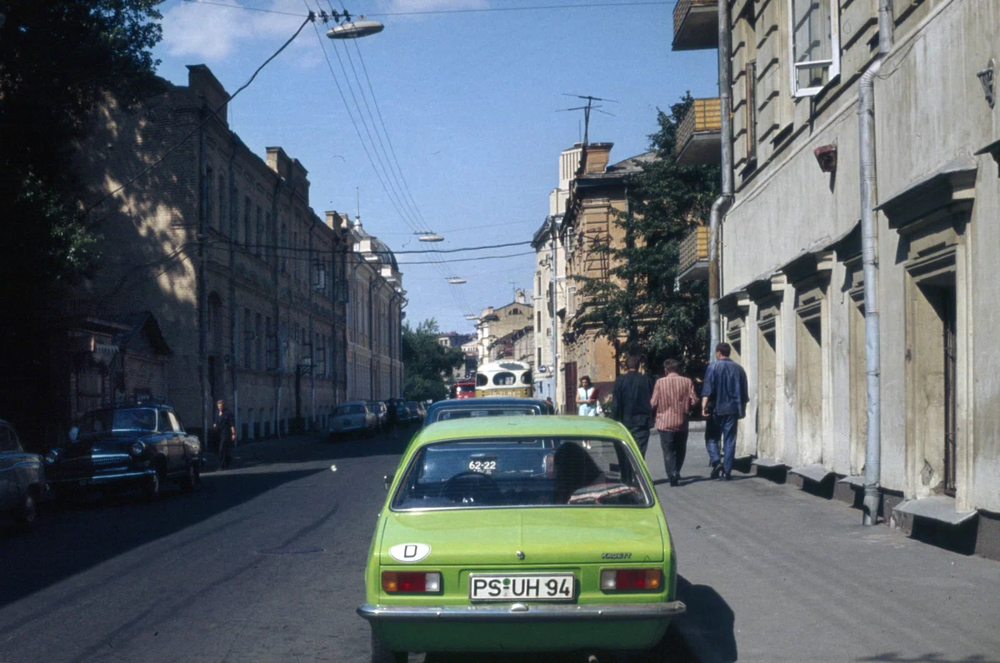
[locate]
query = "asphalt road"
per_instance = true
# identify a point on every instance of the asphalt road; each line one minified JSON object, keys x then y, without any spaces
{"x":263,"y":563}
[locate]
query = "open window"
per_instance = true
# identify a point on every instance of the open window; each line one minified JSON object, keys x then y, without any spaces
{"x":815,"y":44}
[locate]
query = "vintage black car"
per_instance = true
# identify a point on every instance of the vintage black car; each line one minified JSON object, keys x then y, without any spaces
{"x":125,"y":447}
{"x":22,"y":479}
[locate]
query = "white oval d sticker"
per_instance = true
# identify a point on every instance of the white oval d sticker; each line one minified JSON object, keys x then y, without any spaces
{"x":410,"y":552}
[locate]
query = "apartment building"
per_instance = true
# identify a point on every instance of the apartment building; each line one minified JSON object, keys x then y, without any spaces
{"x":494,"y":324}
{"x":249,"y":286}
{"x":793,"y":280}
{"x":597,"y":194}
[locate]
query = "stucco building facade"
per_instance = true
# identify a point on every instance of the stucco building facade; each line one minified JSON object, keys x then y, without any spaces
{"x":792,"y":279}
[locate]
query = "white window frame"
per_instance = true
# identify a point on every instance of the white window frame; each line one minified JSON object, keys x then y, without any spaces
{"x":834,"y":63}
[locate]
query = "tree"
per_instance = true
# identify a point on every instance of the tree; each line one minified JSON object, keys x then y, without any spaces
{"x":640,"y":308}
{"x":58,"y":58}
{"x":427,"y":362}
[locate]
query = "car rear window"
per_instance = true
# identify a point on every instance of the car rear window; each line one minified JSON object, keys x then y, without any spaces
{"x":350,"y":409}
{"x":516,"y":472}
{"x":468,"y":413}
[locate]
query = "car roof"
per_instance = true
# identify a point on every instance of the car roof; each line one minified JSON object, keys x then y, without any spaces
{"x":550,"y":426}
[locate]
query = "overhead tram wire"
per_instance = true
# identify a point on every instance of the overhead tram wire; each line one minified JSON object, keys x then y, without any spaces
{"x":385,"y":129}
{"x":483,"y":10}
{"x":311,"y":18}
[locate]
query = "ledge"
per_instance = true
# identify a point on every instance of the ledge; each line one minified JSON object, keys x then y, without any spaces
{"x":767,"y":462}
{"x":940,"y":508}
{"x":854,"y":481}
{"x":952,"y":184}
{"x":815,"y":472}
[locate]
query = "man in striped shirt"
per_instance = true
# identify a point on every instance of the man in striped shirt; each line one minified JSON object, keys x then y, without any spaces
{"x":673,"y":398}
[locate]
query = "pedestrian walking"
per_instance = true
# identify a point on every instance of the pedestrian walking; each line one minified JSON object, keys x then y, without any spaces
{"x":673,"y":398}
{"x":724,"y":399}
{"x":224,"y":427}
{"x":632,"y":403}
{"x":586,"y":398}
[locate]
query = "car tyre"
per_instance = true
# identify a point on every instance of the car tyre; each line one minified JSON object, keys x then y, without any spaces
{"x":153,"y":487}
{"x":192,"y":480}
{"x":27,"y":514}
{"x":382,"y":655}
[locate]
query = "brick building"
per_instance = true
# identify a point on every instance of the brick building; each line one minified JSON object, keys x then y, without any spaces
{"x":247,"y":282}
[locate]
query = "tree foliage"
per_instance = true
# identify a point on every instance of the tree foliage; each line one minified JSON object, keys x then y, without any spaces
{"x":57,"y":59}
{"x":640,"y":308}
{"x":427,"y":362}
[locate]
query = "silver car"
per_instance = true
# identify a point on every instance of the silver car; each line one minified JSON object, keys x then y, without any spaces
{"x":22,"y":479}
{"x":354,"y":418}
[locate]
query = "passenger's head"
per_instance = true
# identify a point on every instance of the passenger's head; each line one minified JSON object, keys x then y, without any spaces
{"x":632,"y":363}
{"x":723,"y":350}
{"x":671,"y":366}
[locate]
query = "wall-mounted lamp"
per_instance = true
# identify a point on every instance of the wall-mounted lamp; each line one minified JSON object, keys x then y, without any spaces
{"x":988,"y":79}
{"x":826,"y":157}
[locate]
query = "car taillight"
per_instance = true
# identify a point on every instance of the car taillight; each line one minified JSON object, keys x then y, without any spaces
{"x":631,"y":580}
{"x":411,"y":582}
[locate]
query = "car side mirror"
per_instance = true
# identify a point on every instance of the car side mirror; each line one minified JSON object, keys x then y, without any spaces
{"x":387,"y":480}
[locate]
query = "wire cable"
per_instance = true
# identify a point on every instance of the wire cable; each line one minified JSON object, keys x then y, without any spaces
{"x":483,"y":10}
{"x":310,"y":18}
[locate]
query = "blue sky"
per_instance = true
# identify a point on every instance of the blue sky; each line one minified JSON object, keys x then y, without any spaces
{"x":469,"y":101}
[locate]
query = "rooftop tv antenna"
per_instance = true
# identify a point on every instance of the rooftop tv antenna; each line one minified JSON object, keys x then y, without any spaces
{"x":586,"y":111}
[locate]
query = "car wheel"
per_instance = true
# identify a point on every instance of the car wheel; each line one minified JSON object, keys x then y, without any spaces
{"x":382,"y":655}
{"x":192,"y":480}
{"x":153,"y":486}
{"x":27,"y":514}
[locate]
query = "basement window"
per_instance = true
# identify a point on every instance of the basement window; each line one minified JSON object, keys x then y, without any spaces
{"x":814,"y":28}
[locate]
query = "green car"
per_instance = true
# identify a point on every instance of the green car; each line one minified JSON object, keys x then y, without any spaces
{"x":520,"y":534}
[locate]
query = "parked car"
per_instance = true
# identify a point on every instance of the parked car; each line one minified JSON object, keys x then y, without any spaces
{"x":414,"y":413}
{"x":467,"y":408}
{"x":354,"y":418}
{"x":381,"y":413}
{"x":520,"y":534}
{"x":22,"y":479}
{"x":123,"y":447}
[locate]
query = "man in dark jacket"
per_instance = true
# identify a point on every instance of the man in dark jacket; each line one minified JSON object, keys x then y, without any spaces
{"x":225,"y":427}
{"x":724,"y":397}
{"x":631,"y":403}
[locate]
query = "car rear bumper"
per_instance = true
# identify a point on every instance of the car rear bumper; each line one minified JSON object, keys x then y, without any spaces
{"x":521,"y":627}
{"x":521,"y":612}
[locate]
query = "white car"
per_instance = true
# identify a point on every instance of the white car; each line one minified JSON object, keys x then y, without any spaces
{"x":354,"y":418}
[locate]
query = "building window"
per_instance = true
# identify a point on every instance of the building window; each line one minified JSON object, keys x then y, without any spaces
{"x":247,"y":235}
{"x":259,"y":345}
{"x":295,"y":262}
{"x":247,"y":338}
{"x":222,"y":204}
{"x":269,"y":252}
{"x":814,"y":26}
{"x":209,"y":199}
{"x":260,"y":230}
{"x":284,"y":248}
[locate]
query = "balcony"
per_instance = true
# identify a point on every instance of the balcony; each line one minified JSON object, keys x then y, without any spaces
{"x":699,"y":135}
{"x":696,"y":25}
{"x":693,"y":262}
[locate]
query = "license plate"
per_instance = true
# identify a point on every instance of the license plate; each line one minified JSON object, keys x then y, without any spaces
{"x":522,"y":587}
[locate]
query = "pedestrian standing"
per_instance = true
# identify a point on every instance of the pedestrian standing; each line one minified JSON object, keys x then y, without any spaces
{"x":586,"y":398}
{"x":225,"y":427}
{"x":632,"y":403}
{"x":724,"y":399}
{"x":673,"y":398}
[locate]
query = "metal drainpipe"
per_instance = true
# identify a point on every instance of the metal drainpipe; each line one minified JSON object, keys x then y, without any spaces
{"x":725,"y":200}
{"x":233,"y":310}
{"x":312,"y":334}
{"x":869,"y":259}
{"x":202,"y":289}
{"x":279,"y":355}
{"x":555,"y":316}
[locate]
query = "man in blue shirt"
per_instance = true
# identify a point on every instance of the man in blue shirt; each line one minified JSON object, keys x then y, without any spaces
{"x":723,"y":403}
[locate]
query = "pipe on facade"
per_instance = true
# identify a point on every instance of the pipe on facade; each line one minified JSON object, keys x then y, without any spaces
{"x":722,"y":204}
{"x":869,"y":260}
{"x":202,"y":289}
{"x":312,"y":334}
{"x":233,"y":310}
{"x":279,"y":354}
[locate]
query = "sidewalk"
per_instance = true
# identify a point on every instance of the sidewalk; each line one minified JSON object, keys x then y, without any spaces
{"x":770,"y":573}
